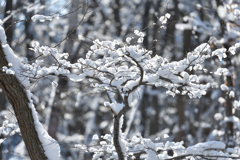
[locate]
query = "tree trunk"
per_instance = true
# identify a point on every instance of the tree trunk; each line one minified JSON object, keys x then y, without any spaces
{"x":8,"y":23}
{"x":29,"y":33}
{"x":181,"y":118}
{"x":17,"y":97}
{"x":116,"y":13}
{"x":62,"y":83}
{"x":229,"y":132}
{"x":145,"y":23}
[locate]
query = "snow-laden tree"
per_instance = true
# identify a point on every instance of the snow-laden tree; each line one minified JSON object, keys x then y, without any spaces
{"x":118,"y":69}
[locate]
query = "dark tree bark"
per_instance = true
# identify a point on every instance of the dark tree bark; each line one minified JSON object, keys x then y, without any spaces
{"x":56,"y":109}
{"x":2,"y":107}
{"x":187,"y":41}
{"x":181,"y":99}
{"x":223,"y":24}
{"x":145,"y":23}
{"x":116,"y":12}
{"x":29,"y":33}
{"x":8,"y":23}
{"x":181,"y":117}
{"x":3,"y":100}
{"x":144,"y":103}
{"x":229,"y":131}
{"x":155,"y":118}
{"x":17,"y":97}
{"x":116,"y":136}
{"x":62,"y":84}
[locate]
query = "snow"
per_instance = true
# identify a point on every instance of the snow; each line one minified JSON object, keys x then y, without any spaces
{"x":128,"y":39}
{"x":50,"y":146}
{"x":221,"y":53}
{"x":221,"y":100}
{"x":201,"y":147}
{"x":218,"y":116}
{"x":95,"y":137}
{"x":237,"y":13}
{"x":163,"y":19}
{"x":222,"y":12}
{"x":3,"y":36}
{"x":165,"y":136}
{"x":54,"y":84}
{"x":224,"y":88}
{"x":236,"y":105}
{"x":76,"y":78}
{"x":2,"y":140}
{"x":222,"y":71}
{"x":183,"y":26}
{"x":116,"y":107}
{"x":13,"y":60}
{"x":43,"y":18}
{"x":232,"y":94}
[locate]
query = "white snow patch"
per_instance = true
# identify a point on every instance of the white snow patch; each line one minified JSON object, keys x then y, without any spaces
{"x":95,"y":137}
{"x":221,"y":100}
{"x":43,"y":18}
{"x":232,"y":94}
{"x":13,"y":60}
{"x":224,"y":88}
{"x":201,"y":147}
{"x":222,"y":12}
{"x":116,"y":107}
{"x":51,"y":147}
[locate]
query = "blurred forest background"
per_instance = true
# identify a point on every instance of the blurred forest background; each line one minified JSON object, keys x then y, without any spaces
{"x":73,"y":112}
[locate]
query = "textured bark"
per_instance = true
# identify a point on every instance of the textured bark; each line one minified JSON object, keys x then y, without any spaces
{"x":56,"y":109}
{"x":7,"y":26}
{"x":229,"y":132}
{"x":223,"y":24}
{"x":155,"y":118}
{"x":1,"y":148}
{"x":62,"y":83}
{"x":116,"y":136}
{"x":3,"y":100}
{"x":143,"y":105}
{"x":29,"y":33}
{"x":116,"y":13}
{"x":145,"y":23}
{"x":181,"y":118}
{"x":17,"y":97}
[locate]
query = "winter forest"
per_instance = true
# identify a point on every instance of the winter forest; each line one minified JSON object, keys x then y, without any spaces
{"x":119,"y":79}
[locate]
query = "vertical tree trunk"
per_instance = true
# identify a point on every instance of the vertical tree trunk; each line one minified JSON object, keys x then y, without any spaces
{"x":29,"y":33}
{"x":8,"y":23}
{"x":2,"y":107}
{"x":17,"y":97}
{"x":144,"y":103}
{"x":116,"y":12}
{"x":223,"y":24}
{"x":145,"y":23}
{"x":229,"y":104}
{"x":155,"y":120}
{"x":62,"y":84}
{"x":181,"y":118}
{"x":56,"y":111}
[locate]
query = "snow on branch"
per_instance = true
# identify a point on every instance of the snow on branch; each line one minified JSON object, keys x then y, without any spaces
{"x":50,"y":146}
{"x":43,"y":18}
{"x":143,"y":148}
{"x":111,"y":66}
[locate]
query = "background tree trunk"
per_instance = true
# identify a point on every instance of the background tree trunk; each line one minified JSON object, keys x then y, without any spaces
{"x":17,"y":97}
{"x":8,"y":29}
{"x":229,"y":132}
{"x":62,"y":83}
